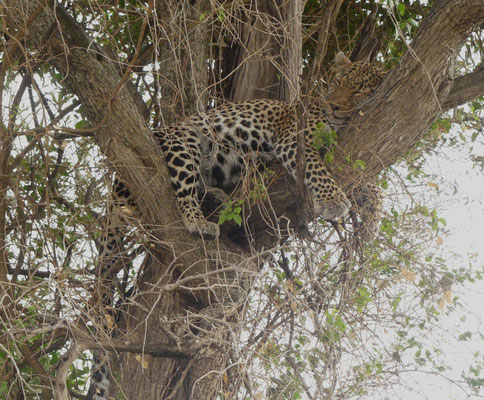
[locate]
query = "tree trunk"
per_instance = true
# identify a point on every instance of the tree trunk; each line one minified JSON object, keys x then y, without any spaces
{"x":267,"y":62}
{"x":125,"y":139}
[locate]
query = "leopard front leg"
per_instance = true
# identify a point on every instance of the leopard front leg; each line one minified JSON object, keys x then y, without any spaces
{"x":328,"y":200}
{"x":193,"y":218}
{"x":182,"y":153}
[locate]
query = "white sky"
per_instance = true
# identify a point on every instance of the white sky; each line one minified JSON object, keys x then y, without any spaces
{"x":464,"y":214}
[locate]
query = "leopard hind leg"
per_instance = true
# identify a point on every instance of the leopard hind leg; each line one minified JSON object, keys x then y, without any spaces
{"x":110,"y":261}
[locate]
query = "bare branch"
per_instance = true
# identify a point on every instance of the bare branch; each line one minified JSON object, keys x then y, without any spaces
{"x":367,"y":45}
{"x":60,"y":386}
{"x":325,"y":28}
{"x":464,"y":89}
{"x":38,"y":368}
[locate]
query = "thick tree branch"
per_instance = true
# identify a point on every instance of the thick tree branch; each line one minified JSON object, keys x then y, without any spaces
{"x":464,"y":89}
{"x":408,"y":101}
{"x":60,"y":386}
{"x":120,"y":130}
{"x":127,"y":142}
{"x":367,"y":45}
{"x":412,"y":95}
{"x":39,"y":369}
{"x":162,"y":350}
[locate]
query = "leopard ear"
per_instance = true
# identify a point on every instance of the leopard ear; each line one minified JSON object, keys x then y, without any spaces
{"x":341,"y":61}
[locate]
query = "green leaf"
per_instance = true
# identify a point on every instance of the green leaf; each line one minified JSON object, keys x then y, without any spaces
{"x":82,"y":124}
{"x":475,"y":105}
{"x":363,"y":298}
{"x":329,"y":158}
{"x":221,"y":14}
{"x":222,"y":218}
{"x":3,"y":387}
{"x":237,"y":219}
{"x":465,"y":336}
{"x":401,"y":8}
{"x":359,"y":164}
{"x":231,"y":212}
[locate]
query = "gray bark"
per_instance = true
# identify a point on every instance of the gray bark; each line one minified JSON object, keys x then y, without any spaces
{"x":266,"y":63}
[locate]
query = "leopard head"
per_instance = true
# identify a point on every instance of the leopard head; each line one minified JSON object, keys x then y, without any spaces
{"x":352,"y":83}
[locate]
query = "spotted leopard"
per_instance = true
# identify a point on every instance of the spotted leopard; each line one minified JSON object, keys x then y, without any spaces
{"x":208,"y":149}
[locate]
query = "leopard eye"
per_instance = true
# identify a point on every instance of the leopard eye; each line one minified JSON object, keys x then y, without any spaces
{"x":356,"y":87}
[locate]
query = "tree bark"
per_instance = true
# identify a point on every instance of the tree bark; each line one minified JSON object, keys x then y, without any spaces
{"x":464,"y":89}
{"x":267,"y":62}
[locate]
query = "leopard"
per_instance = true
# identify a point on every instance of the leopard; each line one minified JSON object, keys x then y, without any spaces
{"x":207,"y":150}
{"x":205,"y":153}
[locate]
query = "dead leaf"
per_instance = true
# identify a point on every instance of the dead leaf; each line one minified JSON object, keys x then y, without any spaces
{"x":109,"y":320}
{"x":126,"y":211}
{"x":448,"y":296}
{"x":409,"y":275}
{"x":142,"y":361}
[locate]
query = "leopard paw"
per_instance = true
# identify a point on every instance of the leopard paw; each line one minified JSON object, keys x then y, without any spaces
{"x":334,"y":210}
{"x":205,"y":229}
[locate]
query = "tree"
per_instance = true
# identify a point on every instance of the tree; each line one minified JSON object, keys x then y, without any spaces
{"x":83,"y":81}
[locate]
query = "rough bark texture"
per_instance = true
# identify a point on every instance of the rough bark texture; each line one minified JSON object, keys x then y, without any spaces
{"x":465,"y":88}
{"x":400,"y":112}
{"x":266,"y":64}
{"x":183,"y":77}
